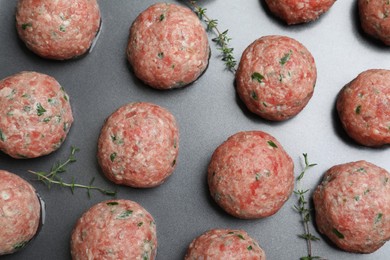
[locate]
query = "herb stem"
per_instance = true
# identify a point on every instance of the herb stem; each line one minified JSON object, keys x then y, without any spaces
{"x":52,"y":177}
{"x":304,"y":210}
{"x":221,"y":40}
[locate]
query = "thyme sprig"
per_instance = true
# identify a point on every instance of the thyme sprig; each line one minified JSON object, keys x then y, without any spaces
{"x":304,"y":210}
{"x":52,"y":177}
{"x":222,"y":39}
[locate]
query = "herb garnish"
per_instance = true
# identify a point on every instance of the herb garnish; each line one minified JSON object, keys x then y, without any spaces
{"x":303,"y":209}
{"x":378,"y":218}
{"x":249,"y":248}
{"x":62,"y":28}
{"x":112,"y":157}
{"x":50,"y":178}
{"x":125,"y":214}
{"x":254,"y":95}
{"x":160,"y":55}
{"x":222,"y":39}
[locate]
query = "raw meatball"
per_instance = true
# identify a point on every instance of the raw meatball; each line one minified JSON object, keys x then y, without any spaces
{"x":138,"y":145}
{"x":276,"y":77}
{"x":20,"y":212}
{"x":114,"y":229}
{"x":363,"y":106}
{"x":374,"y":18}
{"x":35,"y":115}
{"x":225,"y":244}
{"x":61,"y":29}
{"x":353,"y":206}
{"x":299,"y":11}
{"x":168,"y":47}
{"x":250,"y":175}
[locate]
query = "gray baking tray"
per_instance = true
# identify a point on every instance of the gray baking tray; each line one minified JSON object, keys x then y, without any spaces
{"x":208,"y":112}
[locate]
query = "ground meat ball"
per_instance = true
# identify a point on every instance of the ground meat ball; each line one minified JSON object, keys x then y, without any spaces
{"x":299,"y":11}
{"x":138,"y":145}
{"x":250,"y":175}
{"x":353,"y":206}
{"x":363,"y":106}
{"x":276,"y":77}
{"x":114,"y":229}
{"x":168,"y":47}
{"x":374,"y":18}
{"x":20,"y":212}
{"x":225,"y":244}
{"x":60,"y":29}
{"x":35,"y":115}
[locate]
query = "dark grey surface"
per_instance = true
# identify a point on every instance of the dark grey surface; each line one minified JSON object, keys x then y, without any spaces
{"x":207,"y":112}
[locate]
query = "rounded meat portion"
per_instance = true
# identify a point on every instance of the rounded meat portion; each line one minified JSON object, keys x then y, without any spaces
{"x":138,"y":145}
{"x":276,"y":77}
{"x":20,"y":212}
{"x":363,"y":106}
{"x":225,"y":244}
{"x":61,"y":29}
{"x":168,"y":47}
{"x":352,"y":206}
{"x":298,"y":11}
{"x":250,"y":175}
{"x":114,"y":229}
{"x":35,"y":115}
{"x":374,"y":19}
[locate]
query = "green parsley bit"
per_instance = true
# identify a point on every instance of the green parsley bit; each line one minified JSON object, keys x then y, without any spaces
{"x":113,"y":156}
{"x":241,"y":237}
{"x":338,"y":233}
{"x":62,"y":28}
{"x":112,"y":203}
{"x":162,"y":17}
{"x":25,"y":25}
{"x":249,"y":248}
{"x":40,"y":109}
{"x":378,"y":218}
{"x":285,"y":58}
{"x":160,"y":55}
{"x":272,"y":144}
{"x":358,"y":109}
{"x":125,"y":214}
{"x":2,"y":136}
{"x":257,"y":76}
{"x":254,"y":95}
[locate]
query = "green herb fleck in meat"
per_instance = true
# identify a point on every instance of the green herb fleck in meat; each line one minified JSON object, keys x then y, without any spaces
{"x":62,"y":28}
{"x":357,"y":198}
{"x":140,"y":224}
{"x":241,"y":237}
{"x":258,"y":175}
{"x":2,"y":136}
{"x":162,"y":17}
{"x":366,"y":191}
{"x":125,"y":214}
{"x":338,"y":233}
{"x":20,"y":245}
{"x":378,"y":218}
{"x":174,"y":143}
{"x":112,"y":203}
{"x":254,"y":95}
{"x":386,"y":180}
{"x":51,"y":101}
{"x":113,"y":156}
{"x":285,"y":58}
{"x":257,"y":76}
{"x":65,"y":127}
{"x":47,"y":119}
{"x":26,"y":108}
{"x":116,"y":140}
{"x":174,"y":162}
{"x":25,"y":25}
{"x":358,"y":109}
{"x":362,"y":169}
{"x":160,"y":55}
{"x":10,"y":113}
{"x":40,"y":109}
{"x":265,"y":104}
{"x":249,"y":248}
{"x":272,"y":144}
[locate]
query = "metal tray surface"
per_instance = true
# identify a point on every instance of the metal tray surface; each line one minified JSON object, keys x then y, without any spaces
{"x":208,"y":112}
